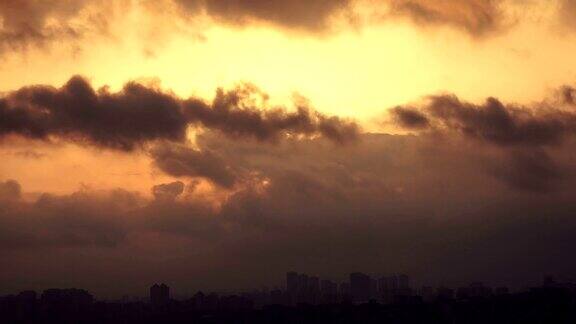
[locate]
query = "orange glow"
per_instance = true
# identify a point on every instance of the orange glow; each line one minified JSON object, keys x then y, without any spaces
{"x":354,"y":73}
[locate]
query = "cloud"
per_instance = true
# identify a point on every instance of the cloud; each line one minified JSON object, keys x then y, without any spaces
{"x":235,"y":113}
{"x":531,"y":170}
{"x":30,"y":154}
{"x":82,"y":219}
{"x":476,"y":17}
{"x":524,"y":135}
{"x":311,"y":15}
{"x":568,"y":95}
{"x":168,"y":191}
{"x":493,"y":121}
{"x":10,"y":190}
{"x":409,"y":118}
{"x":566,"y":12}
{"x":182,"y":161}
{"x":28,"y":23}
{"x":122,"y":120}
{"x":139,"y":114}
{"x":389,"y":203}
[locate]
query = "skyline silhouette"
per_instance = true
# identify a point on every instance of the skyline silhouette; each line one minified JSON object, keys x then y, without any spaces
{"x":362,"y":298}
{"x":287,"y":160}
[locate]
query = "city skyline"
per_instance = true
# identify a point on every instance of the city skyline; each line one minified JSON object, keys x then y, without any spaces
{"x":360,"y":299}
{"x":368,"y":286}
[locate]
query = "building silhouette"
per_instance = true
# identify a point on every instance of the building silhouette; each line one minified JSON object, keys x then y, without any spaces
{"x":552,"y":302}
{"x":292,"y":283}
{"x":403,"y":282}
{"x":328,"y":291}
{"x":392,"y":287}
{"x":360,"y":287}
{"x":71,"y":300}
{"x":159,"y":295}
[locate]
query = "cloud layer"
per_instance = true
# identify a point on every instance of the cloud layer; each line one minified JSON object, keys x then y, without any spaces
{"x":493,"y":122}
{"x":140,"y":114}
{"x":526,"y":135}
{"x":473,"y":191}
{"x":298,"y":14}
{"x":389,"y":203}
{"x":28,"y":22}
{"x":475,"y":17}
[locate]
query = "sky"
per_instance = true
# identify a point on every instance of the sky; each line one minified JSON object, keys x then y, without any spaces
{"x":219,"y":144}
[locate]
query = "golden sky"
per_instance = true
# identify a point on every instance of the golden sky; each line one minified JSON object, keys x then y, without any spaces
{"x":357,"y":71}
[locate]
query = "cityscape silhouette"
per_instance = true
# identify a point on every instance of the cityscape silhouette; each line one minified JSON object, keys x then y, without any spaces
{"x":307,"y":299}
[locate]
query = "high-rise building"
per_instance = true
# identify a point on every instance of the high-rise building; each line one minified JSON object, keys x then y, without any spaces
{"x":383,"y":285}
{"x":360,"y":287}
{"x":403,"y":282}
{"x":68,"y":300}
{"x":393,"y":284}
{"x":373,"y":288}
{"x":313,"y":290}
{"x":477,"y":289}
{"x":292,"y":282}
{"x":444,"y":293}
{"x":344,"y":291}
{"x":427,"y":293}
{"x":500,"y":291}
{"x":328,"y":291}
{"x":303,"y":282}
{"x":159,"y":295}
{"x":314,"y":284}
{"x":328,"y":287}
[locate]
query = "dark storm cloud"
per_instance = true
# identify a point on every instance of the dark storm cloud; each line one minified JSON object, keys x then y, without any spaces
{"x":90,"y":219}
{"x":495,"y":122}
{"x":377,"y":205}
{"x":409,"y":118}
{"x":139,"y":114}
{"x":82,"y":219}
{"x":183,"y":161}
{"x":123,"y":120}
{"x":531,"y":170}
{"x":389,"y":203}
{"x":234,"y":113}
{"x":168,"y":191}
{"x":524,"y":135}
